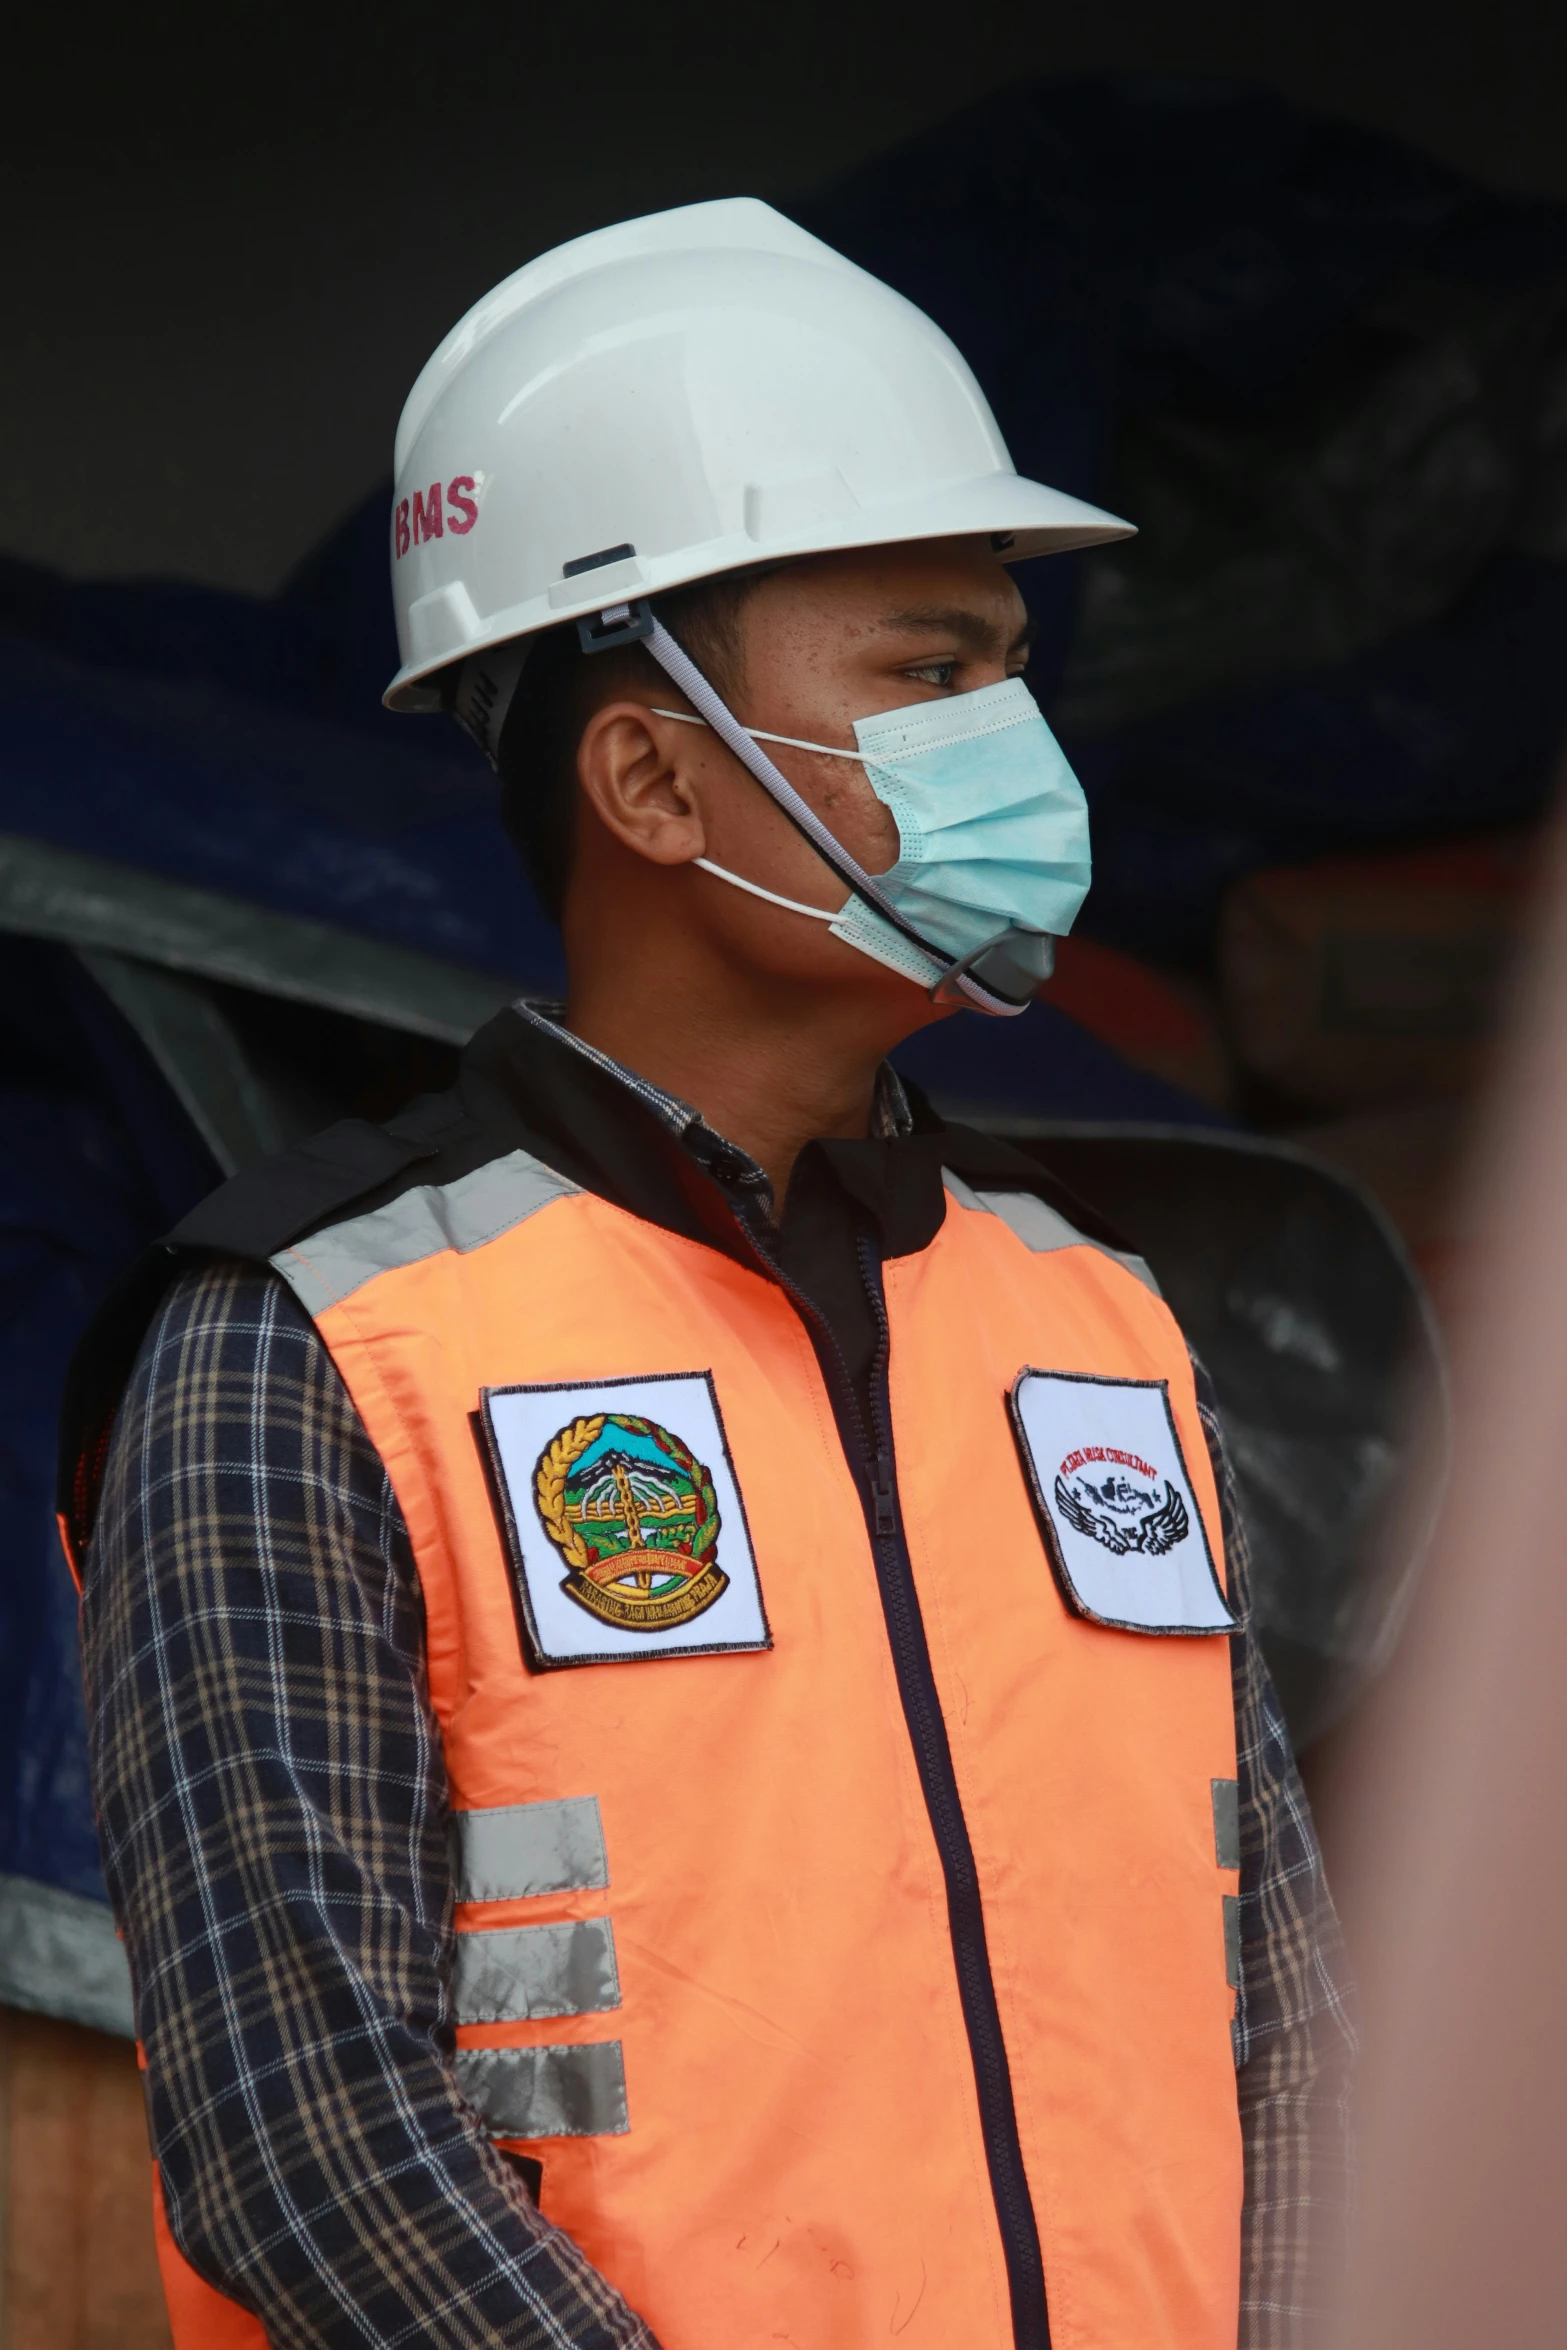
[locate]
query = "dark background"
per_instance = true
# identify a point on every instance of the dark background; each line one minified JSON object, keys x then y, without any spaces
{"x":232,"y":235}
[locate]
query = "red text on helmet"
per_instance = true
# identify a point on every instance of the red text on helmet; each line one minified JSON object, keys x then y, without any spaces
{"x":428,"y":516}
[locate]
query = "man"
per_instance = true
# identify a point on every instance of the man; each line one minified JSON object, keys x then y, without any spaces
{"x":678,"y":1751}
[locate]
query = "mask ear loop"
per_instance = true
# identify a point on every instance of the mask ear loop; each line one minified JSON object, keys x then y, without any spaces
{"x":754,"y":889}
{"x":677,"y":664}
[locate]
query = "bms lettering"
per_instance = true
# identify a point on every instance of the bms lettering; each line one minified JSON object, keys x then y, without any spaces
{"x":430,"y":514}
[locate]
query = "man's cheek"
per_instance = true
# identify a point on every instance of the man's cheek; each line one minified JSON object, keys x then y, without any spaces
{"x":863,"y":824}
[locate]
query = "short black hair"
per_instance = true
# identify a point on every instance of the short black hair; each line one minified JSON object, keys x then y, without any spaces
{"x":558,"y":692}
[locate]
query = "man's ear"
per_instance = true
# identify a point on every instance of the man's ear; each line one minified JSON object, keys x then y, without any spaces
{"x":635,"y":775}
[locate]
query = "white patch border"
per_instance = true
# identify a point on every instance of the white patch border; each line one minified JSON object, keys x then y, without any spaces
{"x":1055,"y":1549}
{"x":537,"y":1658}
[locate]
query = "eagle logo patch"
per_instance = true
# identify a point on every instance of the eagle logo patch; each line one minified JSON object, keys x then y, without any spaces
{"x":1135,"y":1511}
{"x":622,"y":1519}
{"x":633,"y":1513}
{"x":1121,"y":1525}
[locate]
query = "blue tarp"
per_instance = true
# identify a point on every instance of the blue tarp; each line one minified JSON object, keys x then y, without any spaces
{"x":95,"y":1159}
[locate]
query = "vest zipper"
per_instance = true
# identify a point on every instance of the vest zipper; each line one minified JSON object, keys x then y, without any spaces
{"x":883,"y":1499}
{"x":965,"y":1910}
{"x":870,"y":1451}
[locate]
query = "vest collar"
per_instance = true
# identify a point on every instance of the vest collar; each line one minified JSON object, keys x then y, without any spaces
{"x":528,"y":1081}
{"x":615,"y":1132}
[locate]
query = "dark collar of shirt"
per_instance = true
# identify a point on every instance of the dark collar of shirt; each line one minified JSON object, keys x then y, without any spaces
{"x":527,"y":1082}
{"x":892,"y":1114}
{"x":611,"y":1130}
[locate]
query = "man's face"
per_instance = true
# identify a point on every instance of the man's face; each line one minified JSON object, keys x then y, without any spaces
{"x":824,"y":641}
{"x":845,"y":636}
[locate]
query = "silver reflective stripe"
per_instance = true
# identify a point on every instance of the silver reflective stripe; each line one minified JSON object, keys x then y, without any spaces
{"x":546,"y":2092}
{"x":1227,"y":1823}
{"x":1232,"y":1941}
{"x":60,"y":1955}
{"x":1040,"y":1227}
{"x":519,"y":1849}
{"x":961,"y":1192}
{"x":331,"y":1265}
{"x":506,"y":1974}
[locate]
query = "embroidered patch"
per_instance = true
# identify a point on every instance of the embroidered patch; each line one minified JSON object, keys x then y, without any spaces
{"x":627,"y":1485}
{"x":1121,"y":1523}
{"x":633,"y":1513}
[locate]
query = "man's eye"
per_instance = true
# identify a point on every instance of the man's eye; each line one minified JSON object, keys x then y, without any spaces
{"x":933,"y":672}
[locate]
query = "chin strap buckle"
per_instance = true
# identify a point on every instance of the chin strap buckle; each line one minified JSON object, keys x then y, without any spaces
{"x":621,"y":624}
{"x":945,"y":989}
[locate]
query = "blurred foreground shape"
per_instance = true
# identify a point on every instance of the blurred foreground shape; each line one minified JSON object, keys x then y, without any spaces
{"x":77,"y":2266}
{"x":1446,"y":1803}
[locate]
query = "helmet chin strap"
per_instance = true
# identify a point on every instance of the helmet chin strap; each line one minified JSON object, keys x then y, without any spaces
{"x":953,"y":981}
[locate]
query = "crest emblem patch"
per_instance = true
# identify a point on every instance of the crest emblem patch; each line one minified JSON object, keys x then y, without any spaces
{"x":633,"y":1513}
{"x":1122,"y":1529}
{"x":623,"y":1520}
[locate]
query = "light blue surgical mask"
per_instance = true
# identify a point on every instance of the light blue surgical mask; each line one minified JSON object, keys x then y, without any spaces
{"x":992,"y":832}
{"x":993,"y":854}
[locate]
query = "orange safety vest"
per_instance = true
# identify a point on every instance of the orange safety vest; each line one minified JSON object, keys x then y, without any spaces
{"x":711,"y":1969}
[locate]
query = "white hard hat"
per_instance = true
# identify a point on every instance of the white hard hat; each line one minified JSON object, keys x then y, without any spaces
{"x":676,"y":397}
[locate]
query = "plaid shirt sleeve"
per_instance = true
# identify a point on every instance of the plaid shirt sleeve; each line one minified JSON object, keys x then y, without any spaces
{"x":1294,"y":2033}
{"x":272,"y":1808}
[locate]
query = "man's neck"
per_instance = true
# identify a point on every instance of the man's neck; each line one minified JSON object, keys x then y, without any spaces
{"x":770,"y":1085}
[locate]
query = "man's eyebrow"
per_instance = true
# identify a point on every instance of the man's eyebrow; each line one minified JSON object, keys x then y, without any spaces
{"x":971,"y":631}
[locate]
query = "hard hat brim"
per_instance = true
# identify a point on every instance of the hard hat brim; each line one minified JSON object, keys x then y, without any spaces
{"x":1037,"y":520}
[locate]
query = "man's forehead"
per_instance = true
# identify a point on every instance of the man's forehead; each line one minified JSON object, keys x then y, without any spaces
{"x":1001,"y":620}
{"x":904,"y":576}
{"x":957,"y":590}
